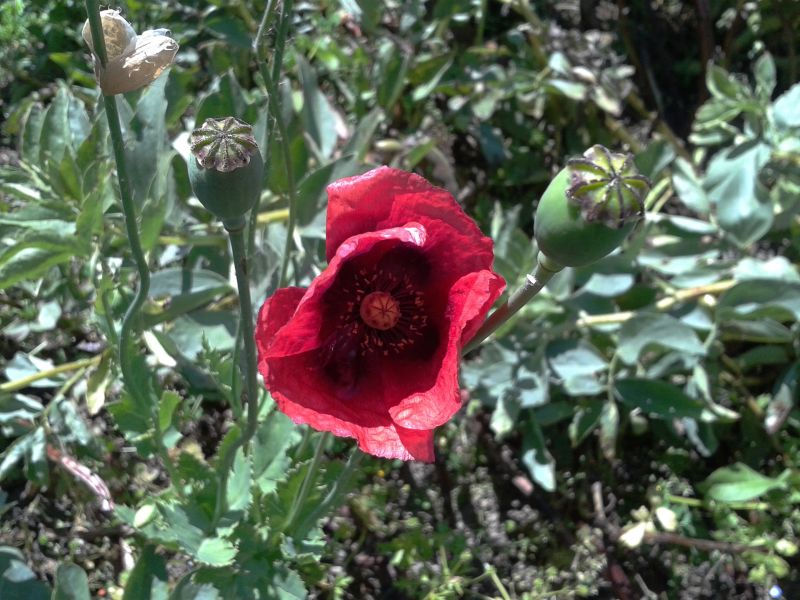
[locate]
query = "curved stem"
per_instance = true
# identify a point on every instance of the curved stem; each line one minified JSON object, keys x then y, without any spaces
{"x":534,"y":283}
{"x":130,"y":323}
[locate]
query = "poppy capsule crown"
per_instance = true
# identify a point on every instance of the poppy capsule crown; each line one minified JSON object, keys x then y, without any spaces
{"x":225,"y":168}
{"x":589,"y":208}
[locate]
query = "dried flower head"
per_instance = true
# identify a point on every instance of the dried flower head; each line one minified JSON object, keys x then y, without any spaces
{"x":132,"y":61}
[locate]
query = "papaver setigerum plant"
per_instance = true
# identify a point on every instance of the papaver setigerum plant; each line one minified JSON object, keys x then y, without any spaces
{"x":371,"y":348}
{"x":267,"y":315}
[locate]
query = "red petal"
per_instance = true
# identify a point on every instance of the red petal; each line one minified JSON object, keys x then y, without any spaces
{"x":386,"y":197}
{"x":387,"y":441}
{"x":303,"y":333}
{"x":274,"y":314}
{"x":468,"y":301}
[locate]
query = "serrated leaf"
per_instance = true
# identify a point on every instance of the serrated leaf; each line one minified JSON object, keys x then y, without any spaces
{"x":238,"y":491}
{"x":273,"y":439}
{"x":216,"y":552}
{"x":166,"y":408}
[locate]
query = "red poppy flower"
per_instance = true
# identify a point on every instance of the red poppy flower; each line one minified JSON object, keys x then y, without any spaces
{"x":370,"y":349}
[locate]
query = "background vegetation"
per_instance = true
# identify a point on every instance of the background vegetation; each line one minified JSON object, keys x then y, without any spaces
{"x":632,"y":433}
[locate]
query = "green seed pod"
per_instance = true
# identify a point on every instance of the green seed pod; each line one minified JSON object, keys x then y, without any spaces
{"x":226,"y":169}
{"x":589,"y":208}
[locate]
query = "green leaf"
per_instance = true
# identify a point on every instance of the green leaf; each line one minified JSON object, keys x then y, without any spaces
{"x":14,"y":453}
{"x":645,"y":331}
{"x":319,"y":118}
{"x":166,"y":408}
{"x":578,"y":364}
{"x":786,"y":108}
{"x":30,"y":148}
{"x":505,"y":414}
{"x":586,"y":419}
{"x":216,"y":552}
{"x":429,"y":73}
{"x":66,"y":125}
{"x":763,"y":331}
{"x":392,"y":66}
{"x":743,"y":207}
{"x":740,"y":483}
{"x":17,"y":581}
{"x":537,"y":458}
{"x":689,"y":187}
{"x":764,"y":298}
{"x":724,"y":86}
{"x":765,"y":75}
{"x":225,"y":99}
{"x":273,"y":439}
{"x":609,"y":429}
{"x":658,"y":398}
{"x":148,"y":579}
{"x":187,"y":291}
{"x":71,"y":583}
{"x":30,"y":264}
{"x":238,"y":491}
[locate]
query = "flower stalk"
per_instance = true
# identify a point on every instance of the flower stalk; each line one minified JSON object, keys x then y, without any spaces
{"x":534,"y":283}
{"x":130,"y":322}
{"x":586,"y":212}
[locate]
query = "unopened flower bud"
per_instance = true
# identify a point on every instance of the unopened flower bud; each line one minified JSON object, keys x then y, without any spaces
{"x":132,"y":61}
{"x":589,"y":207}
{"x":226,"y":169}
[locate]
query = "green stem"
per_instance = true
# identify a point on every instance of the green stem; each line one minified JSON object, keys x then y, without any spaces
{"x":239,"y":252}
{"x":275,"y":108}
{"x":18,"y":384}
{"x":534,"y":283}
{"x":311,"y":476}
{"x":130,"y":323}
{"x":333,"y":495}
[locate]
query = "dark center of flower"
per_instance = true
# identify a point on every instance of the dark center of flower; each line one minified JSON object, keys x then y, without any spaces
{"x":377,"y":310}
{"x":380,"y":311}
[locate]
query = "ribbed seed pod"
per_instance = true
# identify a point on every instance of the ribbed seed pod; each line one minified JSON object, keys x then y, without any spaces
{"x":226,"y":169}
{"x":589,"y":207}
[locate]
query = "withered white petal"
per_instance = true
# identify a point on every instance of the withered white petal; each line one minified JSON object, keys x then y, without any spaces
{"x":119,"y":36}
{"x":152,"y":54}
